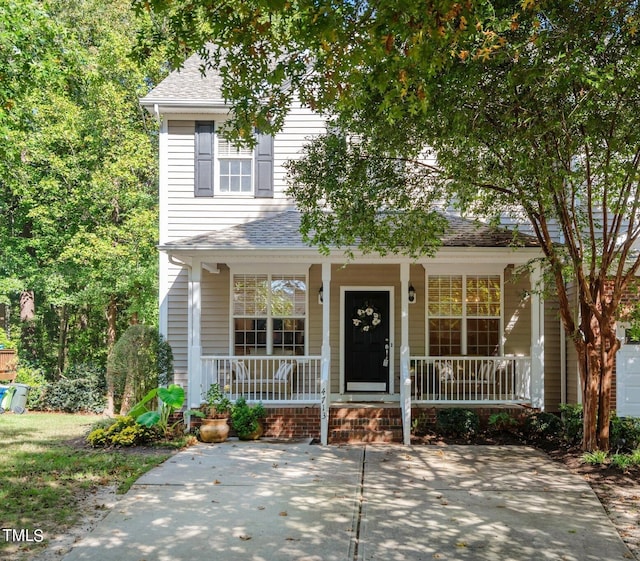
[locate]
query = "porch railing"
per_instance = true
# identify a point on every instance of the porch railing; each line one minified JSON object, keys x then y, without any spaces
{"x":454,"y":379}
{"x":267,"y":378}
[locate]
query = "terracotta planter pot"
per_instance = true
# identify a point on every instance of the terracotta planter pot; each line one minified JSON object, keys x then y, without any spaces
{"x":214,"y":430}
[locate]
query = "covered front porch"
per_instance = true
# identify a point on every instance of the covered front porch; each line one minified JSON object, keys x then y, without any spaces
{"x":288,"y":327}
{"x":278,"y":366}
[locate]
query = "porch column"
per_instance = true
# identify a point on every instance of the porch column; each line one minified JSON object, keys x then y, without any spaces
{"x":194,"y":364}
{"x":325,"y":387}
{"x":537,"y":340}
{"x":405,"y":378}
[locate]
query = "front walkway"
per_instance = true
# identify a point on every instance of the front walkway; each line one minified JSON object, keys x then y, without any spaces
{"x":283,"y":501}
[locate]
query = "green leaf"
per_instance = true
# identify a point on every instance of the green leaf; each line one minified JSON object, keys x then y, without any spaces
{"x":173,"y":396}
{"x":148,"y":419}
{"x":139,"y":408}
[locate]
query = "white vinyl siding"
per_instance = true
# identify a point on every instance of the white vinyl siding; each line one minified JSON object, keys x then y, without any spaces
{"x":186,"y":215}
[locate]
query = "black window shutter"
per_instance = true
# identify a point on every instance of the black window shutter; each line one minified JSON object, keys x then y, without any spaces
{"x":204,"y":159}
{"x":264,"y":166}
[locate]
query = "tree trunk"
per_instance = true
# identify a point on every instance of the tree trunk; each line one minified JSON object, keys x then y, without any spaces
{"x":590,"y":399}
{"x":609,"y":348}
{"x":28,"y":330}
{"x":112,"y":314}
{"x":63,"y":331}
{"x":112,"y":318}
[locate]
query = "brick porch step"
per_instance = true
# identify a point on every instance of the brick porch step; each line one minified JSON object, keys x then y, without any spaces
{"x":364,"y":424}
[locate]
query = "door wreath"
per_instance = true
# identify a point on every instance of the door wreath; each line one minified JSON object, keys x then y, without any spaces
{"x":366,"y":317}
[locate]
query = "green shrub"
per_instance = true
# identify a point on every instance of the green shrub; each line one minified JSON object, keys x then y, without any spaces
{"x":35,"y":379}
{"x":121,"y":431}
{"x":501,"y":422}
{"x":622,"y":461}
{"x":245,"y":417}
{"x":5,"y":342}
{"x":140,"y":361}
{"x":624,"y":433}
{"x":72,"y":396}
{"x":597,"y":457}
{"x":542,"y":426}
{"x":457,"y":422}
{"x":421,"y":424}
{"x":572,"y":422}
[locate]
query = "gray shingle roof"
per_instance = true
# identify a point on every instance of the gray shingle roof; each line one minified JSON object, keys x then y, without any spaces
{"x":187,"y":84}
{"x":282,"y":231}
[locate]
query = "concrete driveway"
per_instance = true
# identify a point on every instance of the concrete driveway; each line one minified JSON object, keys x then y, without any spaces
{"x":270,"y":501}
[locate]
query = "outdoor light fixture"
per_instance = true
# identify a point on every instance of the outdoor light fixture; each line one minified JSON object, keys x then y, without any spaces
{"x":321,"y":295}
{"x":412,"y":294}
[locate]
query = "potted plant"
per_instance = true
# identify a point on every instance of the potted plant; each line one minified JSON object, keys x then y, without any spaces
{"x":246,"y":419}
{"x":214,"y":426}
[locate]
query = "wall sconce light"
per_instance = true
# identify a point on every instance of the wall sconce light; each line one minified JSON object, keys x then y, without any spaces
{"x":321,"y":295}
{"x":412,"y":294}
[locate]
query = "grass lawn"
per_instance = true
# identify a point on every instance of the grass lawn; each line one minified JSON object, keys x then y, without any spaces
{"x":45,"y":469}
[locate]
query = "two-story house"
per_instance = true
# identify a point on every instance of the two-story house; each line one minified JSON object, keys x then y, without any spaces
{"x":246,"y":303}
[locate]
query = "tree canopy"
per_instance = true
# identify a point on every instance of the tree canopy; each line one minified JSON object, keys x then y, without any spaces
{"x":78,"y":176}
{"x":521,"y":109}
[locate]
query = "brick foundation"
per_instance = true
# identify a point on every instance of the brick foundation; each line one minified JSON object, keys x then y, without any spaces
{"x":357,"y":424}
{"x":292,"y":423}
{"x":484,"y":411}
{"x":287,"y":423}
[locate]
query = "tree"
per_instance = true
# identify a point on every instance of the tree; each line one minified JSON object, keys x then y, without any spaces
{"x":529,"y":109}
{"x":78,"y":179}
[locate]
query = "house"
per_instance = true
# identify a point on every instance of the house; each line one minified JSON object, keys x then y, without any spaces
{"x":246,"y":303}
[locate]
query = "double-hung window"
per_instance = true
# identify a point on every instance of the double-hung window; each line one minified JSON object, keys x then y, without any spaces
{"x":464,"y":313}
{"x":220,"y":168}
{"x":269,"y":314}
{"x":235,"y":168}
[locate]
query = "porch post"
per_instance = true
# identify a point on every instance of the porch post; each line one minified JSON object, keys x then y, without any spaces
{"x":194,"y":368}
{"x":325,"y":387}
{"x":405,"y":378}
{"x":537,"y":340}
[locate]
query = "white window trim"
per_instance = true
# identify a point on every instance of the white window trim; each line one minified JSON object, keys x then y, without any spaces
{"x":216,"y":169}
{"x":256,"y":270}
{"x":438,"y":272}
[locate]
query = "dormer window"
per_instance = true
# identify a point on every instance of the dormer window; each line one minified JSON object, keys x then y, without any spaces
{"x":222,"y":169}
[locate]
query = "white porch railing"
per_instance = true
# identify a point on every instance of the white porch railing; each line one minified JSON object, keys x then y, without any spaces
{"x":281,"y":379}
{"x":454,"y":379}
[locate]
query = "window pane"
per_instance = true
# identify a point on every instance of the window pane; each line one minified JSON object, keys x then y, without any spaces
{"x":289,"y":295}
{"x":483,"y":296}
{"x":288,"y":336}
{"x":250,"y":295}
{"x":235,"y":175}
{"x":445,"y":337}
{"x":250,"y":336}
{"x":483,"y":337}
{"x":226,"y":148}
{"x":445,"y":296}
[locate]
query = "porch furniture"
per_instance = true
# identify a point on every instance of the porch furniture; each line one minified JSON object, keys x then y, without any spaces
{"x":8,"y":365}
{"x":465,"y":379}
{"x":258,"y":379}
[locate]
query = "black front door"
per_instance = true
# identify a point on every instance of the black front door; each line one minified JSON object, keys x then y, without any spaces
{"x":367,"y":349}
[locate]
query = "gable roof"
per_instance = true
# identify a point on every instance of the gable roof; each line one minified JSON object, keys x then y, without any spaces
{"x":282,"y":231}
{"x":187,"y":88}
